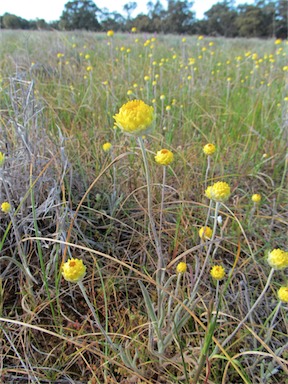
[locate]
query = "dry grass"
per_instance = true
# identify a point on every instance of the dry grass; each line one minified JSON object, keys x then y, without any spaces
{"x":69,"y":198}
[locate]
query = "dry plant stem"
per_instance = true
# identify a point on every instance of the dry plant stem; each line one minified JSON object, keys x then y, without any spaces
{"x":150,"y":211}
{"x":108,"y":339}
{"x":230,"y":337}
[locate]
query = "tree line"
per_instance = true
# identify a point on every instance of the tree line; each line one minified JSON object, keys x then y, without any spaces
{"x":262,"y":19}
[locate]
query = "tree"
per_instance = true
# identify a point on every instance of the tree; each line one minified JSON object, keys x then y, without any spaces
{"x":282,"y":19}
{"x":220,"y":19}
{"x":249,"y":21}
{"x":10,"y":21}
{"x":80,"y":14}
{"x":179,"y":18}
{"x":114,"y":21}
{"x":129,"y":8}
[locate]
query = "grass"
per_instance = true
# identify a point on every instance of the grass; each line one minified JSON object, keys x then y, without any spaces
{"x":70,"y":198}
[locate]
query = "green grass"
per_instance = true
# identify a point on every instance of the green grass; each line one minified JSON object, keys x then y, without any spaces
{"x":69,"y":198}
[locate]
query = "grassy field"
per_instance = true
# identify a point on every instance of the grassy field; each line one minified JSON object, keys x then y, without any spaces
{"x":137,"y":315}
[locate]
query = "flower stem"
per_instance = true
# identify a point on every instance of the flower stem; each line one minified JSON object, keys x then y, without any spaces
{"x":209,"y":248}
{"x":207,"y":170}
{"x":149,"y":209}
{"x":162,"y":201}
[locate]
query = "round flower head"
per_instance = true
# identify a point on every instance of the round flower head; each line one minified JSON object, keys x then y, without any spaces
{"x":164,"y":157}
{"x":205,"y":233}
{"x":209,"y":149}
{"x":5,"y":207}
{"x":278,"y":259}
{"x":2,"y":158}
{"x":217,"y":272}
{"x":110,"y":33}
{"x":256,"y":198}
{"x":283,"y":294}
{"x":134,"y":117}
{"x":106,"y":147}
{"x":73,"y":270}
{"x":220,"y":191}
{"x":181,"y":267}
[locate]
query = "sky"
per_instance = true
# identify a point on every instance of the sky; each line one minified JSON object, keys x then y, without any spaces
{"x":52,"y":9}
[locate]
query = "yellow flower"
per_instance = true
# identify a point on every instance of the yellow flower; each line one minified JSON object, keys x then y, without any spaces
{"x":278,"y":41}
{"x":209,"y":149}
{"x":217,"y":272}
{"x":205,"y":233}
{"x":283,"y":294}
{"x":278,"y":259}
{"x":106,"y":147}
{"x":133,"y":29}
{"x":164,"y":157}
{"x":73,"y":270}
{"x":2,"y":159}
{"x":110,"y":33}
{"x":220,"y":191}
{"x":256,"y":198}
{"x":181,"y":267}
{"x":208,"y":192}
{"x":5,"y":207}
{"x":134,"y":117}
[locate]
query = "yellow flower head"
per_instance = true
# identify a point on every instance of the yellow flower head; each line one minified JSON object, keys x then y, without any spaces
{"x":208,"y":192}
{"x":283,"y":294}
{"x":209,"y":149}
{"x":106,"y":147}
{"x":5,"y":207}
{"x":278,"y":259}
{"x":256,"y":198}
{"x":133,"y":29}
{"x":164,"y":157}
{"x":220,"y":191}
{"x":2,"y":159}
{"x":205,"y":233}
{"x":134,"y":117}
{"x":110,"y":33}
{"x":217,"y":272}
{"x":73,"y":270}
{"x":181,"y":267}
